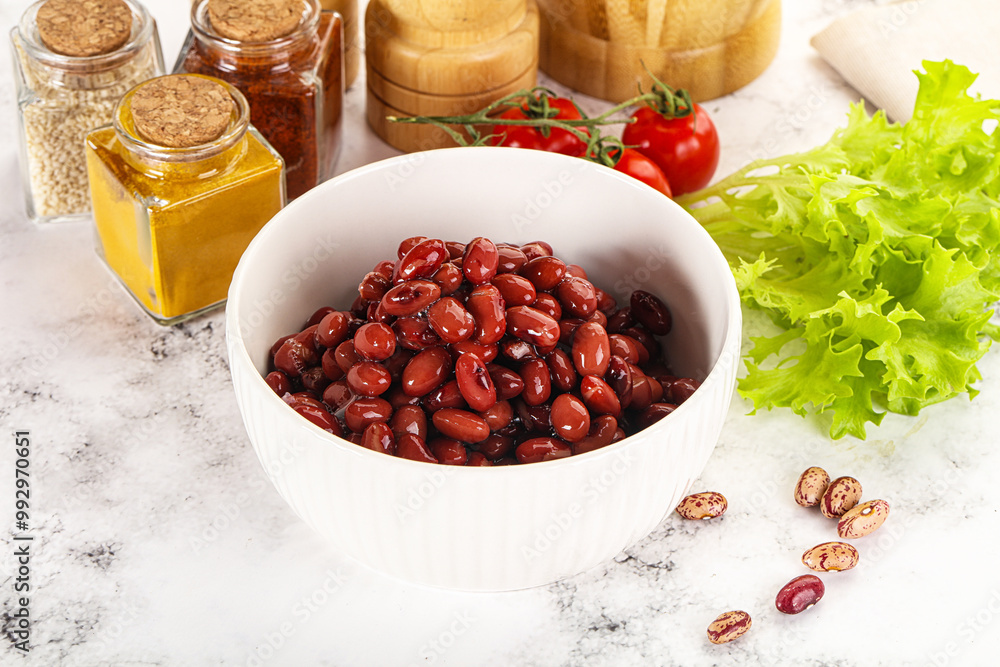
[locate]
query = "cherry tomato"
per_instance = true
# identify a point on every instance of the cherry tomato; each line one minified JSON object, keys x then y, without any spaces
{"x":557,"y":141}
{"x":685,"y":149}
{"x":638,"y":166}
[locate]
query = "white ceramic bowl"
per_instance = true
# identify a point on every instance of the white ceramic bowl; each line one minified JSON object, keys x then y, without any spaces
{"x":497,"y":528}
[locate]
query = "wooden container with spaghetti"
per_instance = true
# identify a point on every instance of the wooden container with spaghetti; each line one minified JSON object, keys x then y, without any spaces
{"x":444,"y":58}
{"x":709,"y":47}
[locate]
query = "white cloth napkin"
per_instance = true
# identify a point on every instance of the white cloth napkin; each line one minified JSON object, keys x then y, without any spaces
{"x":877,"y":49}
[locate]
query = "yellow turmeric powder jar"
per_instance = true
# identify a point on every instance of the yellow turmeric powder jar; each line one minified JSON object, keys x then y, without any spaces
{"x":180,"y":183}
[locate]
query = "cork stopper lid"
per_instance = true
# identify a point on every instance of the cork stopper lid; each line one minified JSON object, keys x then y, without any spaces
{"x":254,"y":20}
{"x":181,"y":111}
{"x":83,"y":28}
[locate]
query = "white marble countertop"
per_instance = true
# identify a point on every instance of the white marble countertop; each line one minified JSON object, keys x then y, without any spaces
{"x":159,"y":541}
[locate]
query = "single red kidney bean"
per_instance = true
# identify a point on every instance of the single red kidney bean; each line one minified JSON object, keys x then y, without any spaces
{"x":374,"y":342}
{"x":278,"y":382}
{"x":537,"y":382}
{"x":397,"y":397}
{"x":599,"y":317}
{"x":570,"y":418}
{"x":352,"y":437}
{"x":410,"y":297}
{"x":642,"y":392}
{"x":653,"y":414}
{"x":515,"y":290}
{"x":373,"y":286}
{"x":376,"y":313}
{"x":536,"y":249}
{"x":447,"y":395}
{"x":461,"y":425}
{"x":508,"y":383}
{"x":421,"y":261}
{"x":415,"y":333}
{"x":332,"y":330}
{"x":655,"y":390}
{"x":337,"y":394}
{"x":449,"y":277}
{"x":533,"y":417}
{"x":532,"y":325}
{"x":496,"y":446}
{"x":619,"y":435}
{"x":308,"y":337}
{"x":409,"y":419}
{"x":397,"y":362}
{"x":314,"y":411}
{"x":450,"y":320}
{"x":293,"y":357}
{"x":599,"y":397}
{"x":605,"y":302}
{"x":314,"y":379}
{"x":591,"y":349}
{"x":455,"y":249}
{"x":648,"y":347}
{"x":498,"y":415}
{"x":329,"y":365}
{"x":363,"y":411}
{"x":277,"y":346}
{"x":601,"y":434}
{"x":544,"y":272}
{"x":409,"y":446}
{"x":487,"y":307}
{"x":535,"y":450}
{"x":511,"y":258}
{"x":427,"y":370}
{"x":477,"y":459}
{"x":518,"y":350}
{"x":367,"y":378}
{"x":548,"y":304}
{"x":650,"y":312}
{"x":577,"y":297}
{"x":480,"y":261}
{"x":681,"y":389}
{"x":567,"y":328}
{"x":561,"y":370}
{"x":799,"y":594}
{"x":474,"y":382}
{"x":384,"y":268}
{"x":359,"y":308}
{"x":318,"y":315}
{"x":624,"y":347}
{"x":448,"y":451}
{"x":576,"y":271}
{"x":485,"y":352}
{"x":619,"y":378}
{"x":379,"y":438}
{"x":407,"y":244}
{"x":620,"y":320}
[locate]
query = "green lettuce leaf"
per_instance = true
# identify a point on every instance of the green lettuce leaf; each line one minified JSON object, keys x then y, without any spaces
{"x":876,"y":254}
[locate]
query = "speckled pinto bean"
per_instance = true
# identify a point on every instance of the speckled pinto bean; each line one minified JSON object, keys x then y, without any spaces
{"x":811,"y":486}
{"x":799,"y":594}
{"x":831,"y":557}
{"x":729,"y":626}
{"x":863,"y":519}
{"x":704,"y":505}
{"x":841,"y":495}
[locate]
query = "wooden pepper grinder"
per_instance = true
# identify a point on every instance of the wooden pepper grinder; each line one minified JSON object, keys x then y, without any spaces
{"x":444,"y":57}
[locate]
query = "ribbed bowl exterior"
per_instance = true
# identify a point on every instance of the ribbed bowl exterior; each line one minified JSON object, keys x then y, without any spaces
{"x":508,"y":527}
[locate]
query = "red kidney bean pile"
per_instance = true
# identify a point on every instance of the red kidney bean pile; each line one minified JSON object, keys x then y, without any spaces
{"x":480,"y":354}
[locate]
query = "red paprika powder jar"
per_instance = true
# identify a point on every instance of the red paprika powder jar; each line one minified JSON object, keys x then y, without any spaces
{"x":287,"y":58}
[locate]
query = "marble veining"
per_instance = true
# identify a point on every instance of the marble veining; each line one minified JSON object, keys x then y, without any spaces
{"x":159,"y":541}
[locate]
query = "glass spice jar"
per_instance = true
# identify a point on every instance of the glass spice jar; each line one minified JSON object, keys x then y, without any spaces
{"x":291,"y":72}
{"x":181,"y":182}
{"x":72,"y":63}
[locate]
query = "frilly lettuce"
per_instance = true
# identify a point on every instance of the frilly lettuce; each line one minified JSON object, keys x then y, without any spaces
{"x":876,"y":253}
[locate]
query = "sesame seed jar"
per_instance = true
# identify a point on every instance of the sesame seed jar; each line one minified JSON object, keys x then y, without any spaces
{"x":62,"y":96}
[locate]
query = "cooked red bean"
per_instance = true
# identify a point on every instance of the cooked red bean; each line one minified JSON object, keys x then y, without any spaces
{"x":447,"y":395}
{"x":601,"y":434}
{"x":508,"y":384}
{"x":518,"y":350}
{"x":409,"y":446}
{"x":599,"y":397}
{"x":379,"y":438}
{"x":367,"y":378}
{"x":329,"y":364}
{"x":474,"y":382}
{"x":455,"y":249}
{"x":318,"y":316}
{"x":548,"y":304}
{"x":278,"y":382}
{"x":449,"y":277}
{"x":600,"y":318}
{"x":575,"y":271}
{"x":650,"y":312}
{"x":480,"y":261}
{"x":364,"y":411}
{"x":515,"y":290}
{"x":415,"y":333}
{"x":568,"y":327}
{"x":293,"y":357}
{"x":487,"y":307}
{"x":450,"y":320}
{"x":485,"y":352}
{"x":498,"y":415}
{"x":577,"y":297}
{"x":605,"y":302}
{"x":533,"y":417}
{"x":331,"y":331}
{"x":681,"y":389}
{"x":409,"y":419}
{"x":477,"y":459}
{"x":461,"y":425}
{"x":619,"y":378}
{"x":496,"y":446}
{"x":536,"y":249}
{"x":410,"y":297}
{"x":648,"y":347}
{"x":511,"y":258}
{"x":532,"y":326}
{"x":537,"y":382}
{"x":562,"y":371}
{"x":544,"y":272}
{"x":620,"y":320}
{"x":570,"y":418}
{"x":653,"y":414}
{"x":337,"y":394}
{"x":448,"y":451}
{"x":624,"y":347}
{"x":426,"y":370}
{"x":314,"y":411}
{"x":374,"y":341}
{"x":421,"y":261}
{"x":591,"y":349}
{"x":314,"y":379}
{"x":373,"y":286}
{"x":542,"y":449}
{"x":384,"y":269}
